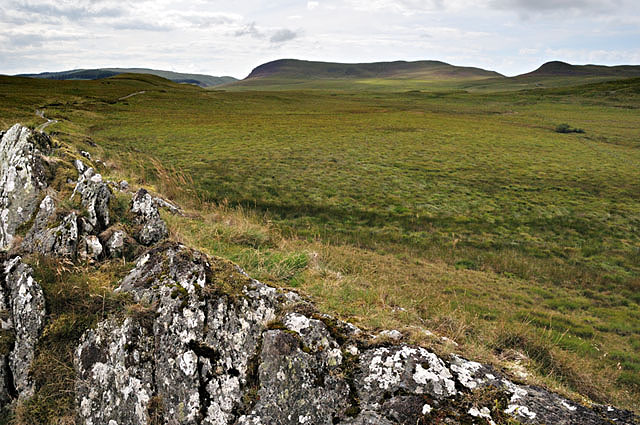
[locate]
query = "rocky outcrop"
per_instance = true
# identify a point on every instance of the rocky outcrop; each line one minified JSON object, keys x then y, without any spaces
{"x":95,"y":195}
{"x":152,"y":227}
{"x":213,"y":346}
{"x":22,"y":315}
{"x":22,"y":177}
{"x":202,"y":343}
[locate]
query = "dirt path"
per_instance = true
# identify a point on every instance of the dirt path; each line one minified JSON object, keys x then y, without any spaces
{"x":40,"y":112}
{"x":42,"y":126}
{"x":131,"y":95}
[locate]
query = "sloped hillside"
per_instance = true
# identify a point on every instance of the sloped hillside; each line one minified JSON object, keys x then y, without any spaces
{"x":184,"y":338}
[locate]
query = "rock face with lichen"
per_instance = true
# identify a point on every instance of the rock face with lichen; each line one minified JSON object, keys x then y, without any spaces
{"x":22,"y":177}
{"x":22,"y":316}
{"x":202,"y":343}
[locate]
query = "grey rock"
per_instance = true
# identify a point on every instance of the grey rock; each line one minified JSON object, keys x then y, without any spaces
{"x":393,"y":335}
{"x":60,"y":240}
{"x":89,"y":248}
{"x":534,"y":405}
{"x":202,"y":345}
{"x":163,"y":203}
{"x":79,"y":166}
{"x":22,"y":306}
{"x":406,"y":369}
{"x":95,"y":195}
{"x":369,"y":418}
{"x":215,"y":358}
{"x":114,"y":245}
{"x":86,"y":155}
{"x":115,"y":373}
{"x":296,"y":387}
{"x":152,"y":227}
{"x":22,"y":177}
{"x":124,"y":186}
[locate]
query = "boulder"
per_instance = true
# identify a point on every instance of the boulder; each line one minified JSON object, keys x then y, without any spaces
{"x":95,"y":195}
{"x":152,"y":228}
{"x":22,"y":176}
{"x":22,"y":312}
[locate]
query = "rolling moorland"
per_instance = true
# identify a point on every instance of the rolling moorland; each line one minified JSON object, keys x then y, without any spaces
{"x":414,"y":207}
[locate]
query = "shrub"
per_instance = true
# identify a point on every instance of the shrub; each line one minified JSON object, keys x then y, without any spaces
{"x":566,"y":128}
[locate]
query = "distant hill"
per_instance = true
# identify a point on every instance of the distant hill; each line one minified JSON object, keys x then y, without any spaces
{"x":399,"y":69}
{"x":563,"y":69}
{"x":96,"y":74}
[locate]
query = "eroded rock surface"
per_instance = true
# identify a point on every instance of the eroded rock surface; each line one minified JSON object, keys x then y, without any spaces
{"x":95,"y":195}
{"x":22,"y":177}
{"x":22,"y":315}
{"x":152,"y":227}
{"x":223,"y":349}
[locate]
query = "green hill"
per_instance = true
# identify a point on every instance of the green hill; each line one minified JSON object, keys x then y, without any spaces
{"x":299,"y":74}
{"x":96,"y":74}
{"x":400,"y":69}
{"x":463,"y":213}
{"x":557,"y":68}
{"x":553,"y":75}
{"x":290,"y":74}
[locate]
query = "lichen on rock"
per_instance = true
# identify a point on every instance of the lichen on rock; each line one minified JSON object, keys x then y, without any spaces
{"x":152,"y":227}
{"x":22,"y":306}
{"x":22,"y":177}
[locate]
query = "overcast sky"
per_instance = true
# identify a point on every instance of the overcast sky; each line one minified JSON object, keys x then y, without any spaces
{"x":232,"y":37}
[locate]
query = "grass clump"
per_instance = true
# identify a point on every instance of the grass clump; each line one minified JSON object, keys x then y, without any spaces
{"x":566,"y":128}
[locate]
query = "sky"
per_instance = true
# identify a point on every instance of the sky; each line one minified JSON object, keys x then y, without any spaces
{"x":233,"y":37}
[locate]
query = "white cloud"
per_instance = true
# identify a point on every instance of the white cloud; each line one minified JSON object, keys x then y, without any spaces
{"x":312,"y":4}
{"x":282,"y":35}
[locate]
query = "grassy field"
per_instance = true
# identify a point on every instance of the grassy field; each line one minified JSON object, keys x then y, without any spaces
{"x":463,"y":213}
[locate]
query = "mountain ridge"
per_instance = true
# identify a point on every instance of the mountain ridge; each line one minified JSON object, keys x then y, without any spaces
{"x":201,"y":80}
{"x":559,"y":68}
{"x":395,"y":69}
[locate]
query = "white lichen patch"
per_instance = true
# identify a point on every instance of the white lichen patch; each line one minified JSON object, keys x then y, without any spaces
{"x":465,"y":372}
{"x":188,"y":362}
{"x":297,"y":322}
{"x":515,"y":409}
{"x":387,"y":369}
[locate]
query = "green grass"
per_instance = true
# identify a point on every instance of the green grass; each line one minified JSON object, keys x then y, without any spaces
{"x":467,"y":210}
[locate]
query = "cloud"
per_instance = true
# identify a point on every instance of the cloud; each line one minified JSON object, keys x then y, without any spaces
{"x":283,"y":35}
{"x":312,"y":4}
{"x":404,"y":7}
{"x":555,"y":5}
{"x":72,"y":11}
{"x":249,"y":29}
{"x":139,"y":25}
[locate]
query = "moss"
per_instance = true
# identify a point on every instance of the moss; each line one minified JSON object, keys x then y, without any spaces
{"x":143,"y":314}
{"x":24,"y":228}
{"x":224,"y":277}
{"x":120,"y":210}
{"x":156,"y":411}
{"x":7,"y":340}
{"x":457,"y":409}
